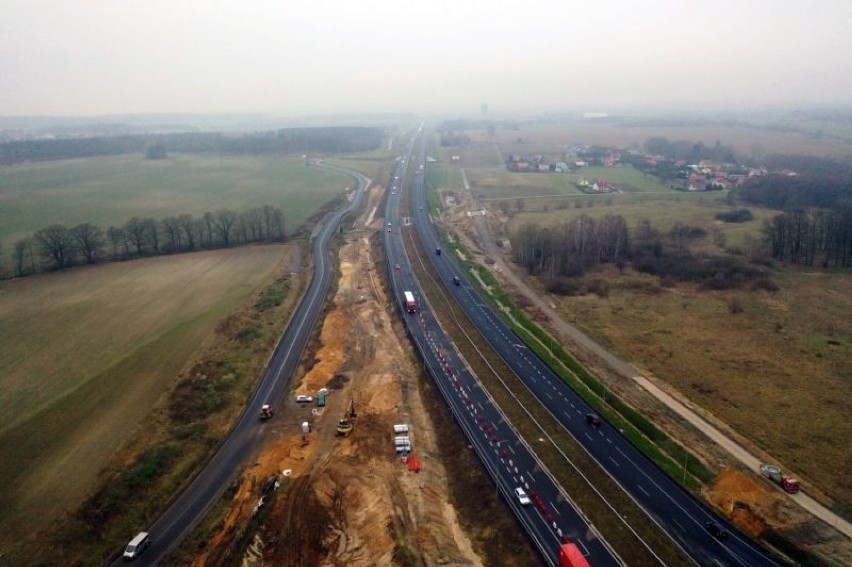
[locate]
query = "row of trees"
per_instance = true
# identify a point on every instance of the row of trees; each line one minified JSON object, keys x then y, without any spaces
{"x":557,"y":254}
{"x":57,"y":246}
{"x":571,"y":248}
{"x":690,"y":151}
{"x":287,"y":140}
{"x":812,"y":237}
{"x":785,"y":192}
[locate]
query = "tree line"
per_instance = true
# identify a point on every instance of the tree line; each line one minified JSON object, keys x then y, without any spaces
{"x":288,"y":140}
{"x":786,"y":192}
{"x":559,"y":254}
{"x":812,"y":237}
{"x":57,"y":247}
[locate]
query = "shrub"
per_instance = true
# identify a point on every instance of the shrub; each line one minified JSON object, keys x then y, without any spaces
{"x":740,"y":215}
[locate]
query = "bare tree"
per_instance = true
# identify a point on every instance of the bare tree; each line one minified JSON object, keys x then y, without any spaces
{"x":172,"y":232}
{"x":224,"y":223}
{"x":89,"y":240}
{"x":23,"y":251}
{"x":191,"y":230}
{"x":252,"y":220}
{"x":152,"y":233}
{"x":56,"y":244}
{"x":136,"y":232}
{"x":209,"y":221}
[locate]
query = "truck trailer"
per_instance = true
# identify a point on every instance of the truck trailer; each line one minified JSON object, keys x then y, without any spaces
{"x":410,"y":304}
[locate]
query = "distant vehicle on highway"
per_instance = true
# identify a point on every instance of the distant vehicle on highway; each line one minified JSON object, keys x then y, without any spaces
{"x":456,"y":280}
{"x":716,"y":530}
{"x":522,"y":496}
{"x":303,"y":399}
{"x":438,"y":251}
{"x":593,"y":419}
{"x":137,"y":545}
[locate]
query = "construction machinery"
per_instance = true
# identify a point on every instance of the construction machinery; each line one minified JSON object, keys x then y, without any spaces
{"x":347,"y":424}
{"x":773,"y":473}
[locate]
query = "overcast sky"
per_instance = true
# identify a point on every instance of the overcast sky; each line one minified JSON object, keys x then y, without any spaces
{"x":86,"y":57}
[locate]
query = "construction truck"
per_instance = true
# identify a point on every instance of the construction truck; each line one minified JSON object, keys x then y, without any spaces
{"x":347,"y":424}
{"x":266,"y":412}
{"x":773,"y":473}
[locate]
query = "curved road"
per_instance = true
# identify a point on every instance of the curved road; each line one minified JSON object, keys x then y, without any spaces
{"x":206,"y":488}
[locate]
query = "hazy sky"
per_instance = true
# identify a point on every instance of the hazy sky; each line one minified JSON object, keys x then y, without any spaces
{"x":82,"y":57}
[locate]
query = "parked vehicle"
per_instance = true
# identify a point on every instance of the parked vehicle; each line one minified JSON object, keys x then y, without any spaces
{"x":303,"y":399}
{"x":320,"y":400}
{"x":773,"y":473}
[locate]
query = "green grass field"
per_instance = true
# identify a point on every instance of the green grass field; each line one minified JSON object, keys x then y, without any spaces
{"x":86,"y":354}
{"x":110,"y":190}
{"x":693,"y":209}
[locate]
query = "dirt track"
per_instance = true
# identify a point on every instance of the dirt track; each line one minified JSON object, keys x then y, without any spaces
{"x":351,"y":501}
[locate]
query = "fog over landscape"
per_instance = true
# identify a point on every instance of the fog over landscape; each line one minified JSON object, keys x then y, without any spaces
{"x":97,"y":57}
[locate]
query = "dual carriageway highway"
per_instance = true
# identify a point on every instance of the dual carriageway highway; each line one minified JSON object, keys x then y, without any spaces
{"x":550,"y":516}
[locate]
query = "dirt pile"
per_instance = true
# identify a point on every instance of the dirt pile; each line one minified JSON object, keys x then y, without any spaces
{"x":350,"y":500}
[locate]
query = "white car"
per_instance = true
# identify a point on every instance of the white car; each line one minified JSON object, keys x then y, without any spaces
{"x":303,"y":399}
{"x":522,"y":496}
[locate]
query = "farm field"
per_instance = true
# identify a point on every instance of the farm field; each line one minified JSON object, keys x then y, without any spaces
{"x":778,"y":372}
{"x":86,"y":354}
{"x":751,"y":143}
{"x":663,"y":211}
{"x":110,"y":190}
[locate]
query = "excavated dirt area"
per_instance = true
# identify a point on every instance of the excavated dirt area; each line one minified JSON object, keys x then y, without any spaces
{"x":348,"y":500}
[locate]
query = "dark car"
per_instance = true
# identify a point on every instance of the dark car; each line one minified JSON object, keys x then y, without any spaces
{"x":716,"y":530}
{"x":593,"y":419}
{"x":438,"y":251}
{"x":456,"y":280}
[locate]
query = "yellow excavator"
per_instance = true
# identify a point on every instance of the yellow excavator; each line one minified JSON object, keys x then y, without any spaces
{"x":347,"y":424}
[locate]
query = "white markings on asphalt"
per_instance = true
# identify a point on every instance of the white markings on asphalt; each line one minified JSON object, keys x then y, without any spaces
{"x":639,"y":486}
{"x":555,"y":509}
{"x":614,"y":462}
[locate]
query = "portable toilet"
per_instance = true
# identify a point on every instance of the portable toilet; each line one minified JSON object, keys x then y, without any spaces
{"x":321,"y":399}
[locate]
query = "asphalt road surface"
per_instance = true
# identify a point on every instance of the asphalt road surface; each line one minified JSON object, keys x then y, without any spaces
{"x":672,"y":508}
{"x":549,"y":517}
{"x":206,"y":488}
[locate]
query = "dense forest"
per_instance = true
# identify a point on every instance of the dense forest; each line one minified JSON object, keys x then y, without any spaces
{"x":289,"y":140}
{"x":57,"y":247}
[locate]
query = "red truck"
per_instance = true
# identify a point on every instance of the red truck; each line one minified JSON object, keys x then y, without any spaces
{"x":773,"y":473}
{"x":571,"y":556}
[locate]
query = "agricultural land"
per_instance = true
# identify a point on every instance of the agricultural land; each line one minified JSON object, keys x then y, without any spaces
{"x":770,"y":363}
{"x":110,"y":190}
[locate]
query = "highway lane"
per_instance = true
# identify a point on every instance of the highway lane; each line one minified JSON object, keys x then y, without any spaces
{"x":208,"y":486}
{"x":551,"y":515}
{"x":678,"y":513}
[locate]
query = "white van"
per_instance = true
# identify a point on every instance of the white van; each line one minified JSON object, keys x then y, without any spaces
{"x":137,"y":545}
